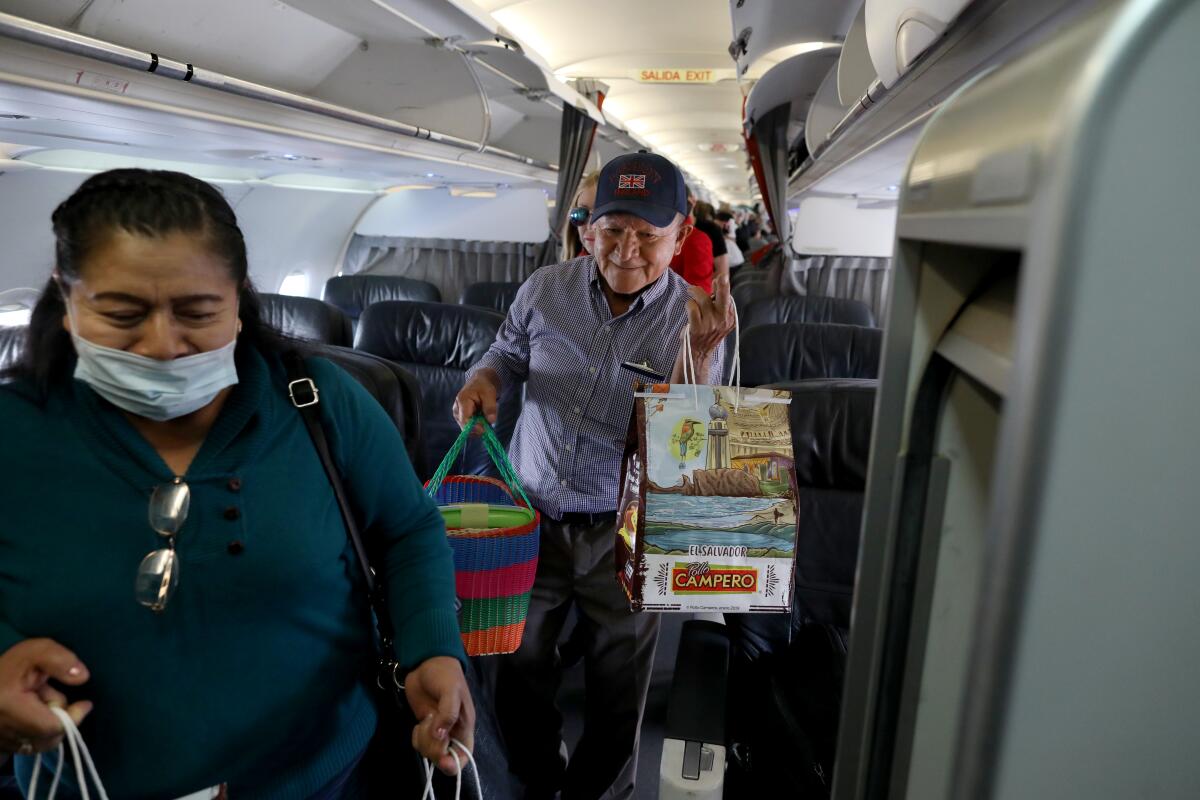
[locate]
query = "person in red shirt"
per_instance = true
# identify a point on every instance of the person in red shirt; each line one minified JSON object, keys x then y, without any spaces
{"x":695,"y":261}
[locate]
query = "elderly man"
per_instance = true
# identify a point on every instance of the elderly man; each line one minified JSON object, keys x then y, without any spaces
{"x":568,"y":332}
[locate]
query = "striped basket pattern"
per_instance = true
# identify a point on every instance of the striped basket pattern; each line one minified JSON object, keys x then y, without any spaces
{"x":494,"y":568}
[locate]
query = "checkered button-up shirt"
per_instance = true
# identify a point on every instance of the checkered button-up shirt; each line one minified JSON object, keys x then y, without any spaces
{"x":561,"y":339}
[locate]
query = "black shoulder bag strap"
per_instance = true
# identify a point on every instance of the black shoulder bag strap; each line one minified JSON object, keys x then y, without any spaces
{"x":305,"y":397}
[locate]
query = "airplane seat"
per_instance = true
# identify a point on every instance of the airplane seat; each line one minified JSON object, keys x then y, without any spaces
{"x":496,"y":295}
{"x":786,"y":671}
{"x":783,"y":673}
{"x":307,"y":318}
{"x":390,"y":384}
{"x":12,"y":340}
{"x":747,"y":291}
{"x":791,"y":351}
{"x":802,"y":308}
{"x":353,"y":293}
{"x":438,"y":343}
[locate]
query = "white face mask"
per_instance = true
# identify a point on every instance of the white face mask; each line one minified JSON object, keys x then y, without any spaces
{"x":148,"y":387}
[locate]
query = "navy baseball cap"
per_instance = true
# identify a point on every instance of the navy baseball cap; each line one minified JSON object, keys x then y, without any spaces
{"x":643,"y":184}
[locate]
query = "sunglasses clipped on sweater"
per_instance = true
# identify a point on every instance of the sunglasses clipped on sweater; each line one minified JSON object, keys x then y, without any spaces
{"x":579,"y":215}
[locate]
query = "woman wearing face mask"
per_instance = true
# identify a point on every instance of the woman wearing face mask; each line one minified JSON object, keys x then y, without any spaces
{"x":579,"y":237}
{"x":150,"y":415}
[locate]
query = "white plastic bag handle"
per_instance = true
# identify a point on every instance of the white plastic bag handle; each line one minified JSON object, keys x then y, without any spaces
{"x":735,"y":372}
{"x":428,"y":793}
{"x":79,"y":754}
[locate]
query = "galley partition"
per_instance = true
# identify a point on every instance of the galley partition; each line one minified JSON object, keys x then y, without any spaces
{"x":1024,"y":616}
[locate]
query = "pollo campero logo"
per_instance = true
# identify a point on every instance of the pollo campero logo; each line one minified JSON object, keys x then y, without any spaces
{"x":699,"y":577}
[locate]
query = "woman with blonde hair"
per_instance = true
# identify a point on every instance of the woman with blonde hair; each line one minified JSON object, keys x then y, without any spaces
{"x":577,"y":237}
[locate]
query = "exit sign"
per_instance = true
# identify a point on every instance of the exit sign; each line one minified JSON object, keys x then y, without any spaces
{"x":677,"y":75}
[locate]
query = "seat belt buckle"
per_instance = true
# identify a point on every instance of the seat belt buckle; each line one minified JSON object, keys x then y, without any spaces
{"x":303,"y":393}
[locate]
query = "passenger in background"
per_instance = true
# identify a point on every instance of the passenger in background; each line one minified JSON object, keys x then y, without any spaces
{"x":727,"y":225}
{"x":705,"y":222}
{"x":745,"y":231}
{"x":578,"y":238}
{"x":150,"y":414}
{"x":694,"y":262}
{"x":569,"y":331}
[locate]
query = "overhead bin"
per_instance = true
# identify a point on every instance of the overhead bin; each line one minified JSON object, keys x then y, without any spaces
{"x":897,"y":31}
{"x":793,"y":81}
{"x":766,"y":32}
{"x":984,"y":34}
{"x":43,"y":58}
{"x":1026,"y":594}
{"x":856,"y":72}
{"x":825,"y":112}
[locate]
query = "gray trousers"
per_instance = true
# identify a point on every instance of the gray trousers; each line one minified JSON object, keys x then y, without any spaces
{"x":576,"y":567}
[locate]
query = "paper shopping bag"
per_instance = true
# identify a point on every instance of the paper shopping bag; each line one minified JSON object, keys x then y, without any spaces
{"x":707,"y":514}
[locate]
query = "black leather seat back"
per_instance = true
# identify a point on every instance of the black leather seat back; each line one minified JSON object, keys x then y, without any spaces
{"x":794,"y":308}
{"x":438,"y":343}
{"x":12,"y":341}
{"x":353,"y":293}
{"x":496,"y":295}
{"x":307,"y":318}
{"x":747,"y":291}
{"x":791,"y":351}
{"x":798,"y":661}
{"x":389,"y":383}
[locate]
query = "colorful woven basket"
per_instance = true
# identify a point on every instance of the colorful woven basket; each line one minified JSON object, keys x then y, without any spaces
{"x":493,"y":530}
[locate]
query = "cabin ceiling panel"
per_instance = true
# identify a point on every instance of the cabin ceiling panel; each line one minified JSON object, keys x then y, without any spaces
{"x":258,"y":40}
{"x":623,"y":42}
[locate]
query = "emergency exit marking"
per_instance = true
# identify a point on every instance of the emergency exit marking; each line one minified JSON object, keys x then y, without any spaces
{"x":105,"y":83}
{"x":676,"y":76}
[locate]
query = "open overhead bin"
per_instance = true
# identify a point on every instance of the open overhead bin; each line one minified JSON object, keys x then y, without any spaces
{"x":856,"y":73}
{"x":767,"y":32}
{"x":794,"y":82}
{"x":775,"y":114}
{"x":983,"y":34}
{"x":825,"y":111}
{"x":898,"y":31}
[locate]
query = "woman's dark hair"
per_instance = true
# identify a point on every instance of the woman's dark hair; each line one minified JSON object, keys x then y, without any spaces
{"x":151,"y":203}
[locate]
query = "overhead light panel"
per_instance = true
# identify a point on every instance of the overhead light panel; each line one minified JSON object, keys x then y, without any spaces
{"x":478,"y":192}
{"x":408,"y":187}
{"x":290,"y":157}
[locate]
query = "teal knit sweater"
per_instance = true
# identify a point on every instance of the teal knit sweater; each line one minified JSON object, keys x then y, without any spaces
{"x":254,"y":675}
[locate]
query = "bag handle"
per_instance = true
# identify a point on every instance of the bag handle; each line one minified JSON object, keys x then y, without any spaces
{"x":495,"y":451}
{"x":302,"y":390}
{"x":735,"y":371}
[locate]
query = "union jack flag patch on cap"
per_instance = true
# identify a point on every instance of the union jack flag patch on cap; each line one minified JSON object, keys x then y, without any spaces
{"x":632,"y":182}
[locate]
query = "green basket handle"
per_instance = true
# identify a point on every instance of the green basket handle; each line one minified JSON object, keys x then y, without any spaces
{"x":494,"y":449}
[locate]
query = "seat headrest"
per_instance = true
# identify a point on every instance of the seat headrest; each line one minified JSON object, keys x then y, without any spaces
{"x":12,"y":341}
{"x":496,"y":295}
{"x":390,"y":384}
{"x":307,"y":318}
{"x":432,"y":334}
{"x":831,"y":431}
{"x":748,"y":291}
{"x":353,"y":293}
{"x":795,"y":308}
{"x":792,"y":351}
